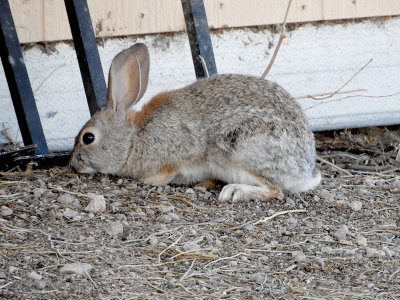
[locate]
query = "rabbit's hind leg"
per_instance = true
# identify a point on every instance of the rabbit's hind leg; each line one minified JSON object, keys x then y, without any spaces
{"x":240,"y":192}
{"x":163,"y":177}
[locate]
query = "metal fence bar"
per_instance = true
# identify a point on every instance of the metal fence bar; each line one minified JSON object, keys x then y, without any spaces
{"x":18,"y":82}
{"x":199,"y":37}
{"x":87,"y":53}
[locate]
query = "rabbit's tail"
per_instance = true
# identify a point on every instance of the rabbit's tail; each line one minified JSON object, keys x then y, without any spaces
{"x":299,"y":185}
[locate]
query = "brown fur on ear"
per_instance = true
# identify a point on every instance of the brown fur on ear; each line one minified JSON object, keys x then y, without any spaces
{"x":138,"y":117}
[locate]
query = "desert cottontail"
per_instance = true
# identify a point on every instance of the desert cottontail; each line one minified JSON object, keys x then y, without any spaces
{"x":245,"y":131}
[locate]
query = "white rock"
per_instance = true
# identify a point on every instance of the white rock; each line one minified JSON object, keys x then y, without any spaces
{"x":361,"y":241}
{"x":355,"y":205}
{"x":327,"y":250}
{"x":189,"y":191}
{"x":6,"y":211}
{"x":38,"y":192}
{"x":289,"y":202}
{"x":165,"y":208}
{"x":369,"y":181}
{"x":341,"y":233}
{"x":35,"y":276}
{"x":174,"y":216}
{"x":97,"y":204}
{"x":114,"y":228}
{"x":67,"y":199}
{"x":166,"y":218}
{"x":291,"y":222}
{"x":326,"y":195}
{"x":299,"y":256}
{"x":40,"y":284}
{"x":77,"y":268}
{"x":372,"y":252}
{"x":69,"y":213}
{"x":12,"y":270}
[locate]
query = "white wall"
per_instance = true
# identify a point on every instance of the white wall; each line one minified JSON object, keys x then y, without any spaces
{"x":313,"y":59}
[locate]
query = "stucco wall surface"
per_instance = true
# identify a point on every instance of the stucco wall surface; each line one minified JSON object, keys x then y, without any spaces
{"x":314,"y":59}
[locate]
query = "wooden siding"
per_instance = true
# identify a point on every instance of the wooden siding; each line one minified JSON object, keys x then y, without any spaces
{"x":46,"y":20}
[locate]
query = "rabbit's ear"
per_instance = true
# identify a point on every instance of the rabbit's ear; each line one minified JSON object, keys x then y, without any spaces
{"x":128,"y":76}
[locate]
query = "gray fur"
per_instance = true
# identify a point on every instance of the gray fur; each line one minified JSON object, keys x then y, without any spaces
{"x":224,"y":121}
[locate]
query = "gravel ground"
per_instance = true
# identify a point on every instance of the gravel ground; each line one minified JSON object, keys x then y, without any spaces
{"x":64,"y":236}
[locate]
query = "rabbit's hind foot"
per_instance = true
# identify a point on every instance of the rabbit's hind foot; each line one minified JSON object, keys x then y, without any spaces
{"x":241,"y":192}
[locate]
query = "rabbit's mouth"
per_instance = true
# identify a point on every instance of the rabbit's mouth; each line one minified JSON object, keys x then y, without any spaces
{"x":77,"y":165}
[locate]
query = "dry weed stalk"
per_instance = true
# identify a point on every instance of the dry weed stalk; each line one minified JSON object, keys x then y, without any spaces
{"x":281,"y":38}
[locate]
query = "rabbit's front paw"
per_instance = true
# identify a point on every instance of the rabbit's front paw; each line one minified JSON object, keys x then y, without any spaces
{"x":240,"y":192}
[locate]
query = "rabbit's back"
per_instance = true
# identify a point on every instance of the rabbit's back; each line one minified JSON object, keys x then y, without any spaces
{"x":238,"y":119}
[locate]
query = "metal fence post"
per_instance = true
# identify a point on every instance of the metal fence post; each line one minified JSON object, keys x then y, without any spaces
{"x":18,"y":82}
{"x":87,"y":53}
{"x":199,"y":37}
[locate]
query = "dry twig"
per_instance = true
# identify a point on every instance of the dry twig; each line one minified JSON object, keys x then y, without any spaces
{"x":281,"y":38}
{"x":334,"y":166}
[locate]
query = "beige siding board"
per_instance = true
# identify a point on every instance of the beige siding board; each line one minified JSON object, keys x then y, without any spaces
{"x":46,"y":20}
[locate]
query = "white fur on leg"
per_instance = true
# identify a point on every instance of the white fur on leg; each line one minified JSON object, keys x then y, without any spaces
{"x":240,"y":192}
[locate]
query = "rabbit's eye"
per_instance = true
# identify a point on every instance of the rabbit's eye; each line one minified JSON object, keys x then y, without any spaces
{"x":88,"y":138}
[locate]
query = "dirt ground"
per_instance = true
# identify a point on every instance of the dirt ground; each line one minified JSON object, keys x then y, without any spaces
{"x":64,"y":236}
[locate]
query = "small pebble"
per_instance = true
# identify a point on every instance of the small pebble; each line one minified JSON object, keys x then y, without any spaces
{"x":77,"y":268}
{"x":372,"y":252}
{"x":12,"y":270}
{"x":327,"y":195}
{"x":35,"y":276}
{"x":361,"y":241}
{"x":299,"y":256}
{"x":115,"y":206}
{"x":289,"y":201}
{"x":38,"y":192}
{"x":316,"y":198}
{"x":355,"y":205}
{"x":166,"y":219}
{"x":369,"y":181}
{"x":200,"y":188}
{"x":69,"y":200}
{"x":69,"y":213}
{"x":233,"y":263}
{"x":114,"y":228}
{"x":97,"y":204}
{"x":207,"y":194}
{"x":174,"y":216}
{"x":291,"y":222}
{"x":6,"y":211}
{"x":121,"y":217}
{"x":189,"y":191}
{"x":40,"y":284}
{"x":341,"y":233}
{"x":3,"y":275}
{"x":257,"y":277}
{"x":153,"y":241}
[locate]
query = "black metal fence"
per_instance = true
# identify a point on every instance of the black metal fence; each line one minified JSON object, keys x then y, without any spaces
{"x":89,"y":63}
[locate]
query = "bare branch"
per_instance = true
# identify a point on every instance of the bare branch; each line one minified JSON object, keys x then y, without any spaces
{"x":282,"y":36}
{"x":314,"y":97}
{"x":352,"y":96}
{"x":346,"y":83}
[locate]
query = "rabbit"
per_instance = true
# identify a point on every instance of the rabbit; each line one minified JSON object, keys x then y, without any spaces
{"x":244,"y":131}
